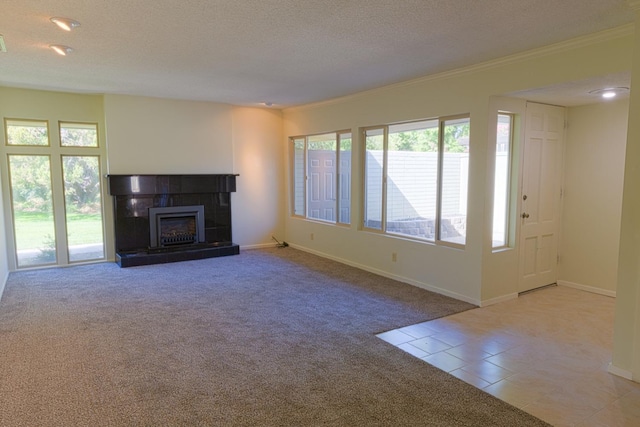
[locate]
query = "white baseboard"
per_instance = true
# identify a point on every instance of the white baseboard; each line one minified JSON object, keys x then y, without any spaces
{"x":258,"y":246}
{"x":399,"y":278}
{"x":586,"y":288}
{"x":620,"y":372}
{"x":496,"y":300}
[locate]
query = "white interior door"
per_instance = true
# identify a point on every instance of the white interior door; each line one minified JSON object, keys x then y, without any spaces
{"x":540,"y":197}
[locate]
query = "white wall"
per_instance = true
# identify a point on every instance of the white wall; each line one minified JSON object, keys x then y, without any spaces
{"x":592,"y":203}
{"x":474,"y":274}
{"x":165,"y":136}
{"x":258,"y":157}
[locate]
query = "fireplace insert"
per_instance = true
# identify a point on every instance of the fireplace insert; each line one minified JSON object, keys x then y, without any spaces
{"x":176,"y":225}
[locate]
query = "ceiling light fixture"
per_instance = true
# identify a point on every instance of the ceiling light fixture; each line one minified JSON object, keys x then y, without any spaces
{"x":61,"y":49}
{"x":610,"y":92}
{"x":268,"y":104}
{"x":65,"y":23}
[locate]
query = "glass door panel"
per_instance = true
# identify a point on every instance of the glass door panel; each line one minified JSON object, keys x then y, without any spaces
{"x":32,"y":210}
{"x":83,"y":207}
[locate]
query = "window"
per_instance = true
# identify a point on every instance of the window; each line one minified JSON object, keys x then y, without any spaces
{"x":27,"y":132}
{"x":55,"y":192}
{"x":502,"y":179}
{"x":321,"y":171}
{"x":299,"y":176}
{"x":344,"y":177}
{"x":78,"y":135}
{"x":416,"y":177}
{"x":32,"y":203}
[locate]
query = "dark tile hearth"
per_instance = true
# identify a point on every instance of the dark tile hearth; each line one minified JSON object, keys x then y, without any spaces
{"x":212,"y":250}
{"x":141,"y":238}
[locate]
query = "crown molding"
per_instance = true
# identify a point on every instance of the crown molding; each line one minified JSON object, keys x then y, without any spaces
{"x":634,"y":4}
{"x":601,"y":36}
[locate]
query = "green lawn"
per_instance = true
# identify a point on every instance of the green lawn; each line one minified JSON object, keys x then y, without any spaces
{"x":36,"y":230}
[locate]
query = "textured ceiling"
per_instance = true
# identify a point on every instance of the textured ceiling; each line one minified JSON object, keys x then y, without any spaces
{"x":286,"y":52}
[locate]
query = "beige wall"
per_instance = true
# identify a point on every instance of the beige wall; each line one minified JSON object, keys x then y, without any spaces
{"x":151,"y":135}
{"x":626,"y":343}
{"x":258,"y":156}
{"x":475,"y":274}
{"x":500,"y":267}
{"x":592,"y":202}
{"x":164,"y":136}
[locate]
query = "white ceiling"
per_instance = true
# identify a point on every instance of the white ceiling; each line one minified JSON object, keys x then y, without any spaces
{"x":287,"y":52}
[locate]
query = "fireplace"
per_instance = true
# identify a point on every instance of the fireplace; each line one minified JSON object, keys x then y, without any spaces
{"x":168,"y":218}
{"x":180,"y":225}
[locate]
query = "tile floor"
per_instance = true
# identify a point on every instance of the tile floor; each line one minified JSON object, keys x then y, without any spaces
{"x":546,"y":352}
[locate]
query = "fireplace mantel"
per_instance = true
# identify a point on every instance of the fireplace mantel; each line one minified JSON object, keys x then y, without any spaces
{"x":135,"y":194}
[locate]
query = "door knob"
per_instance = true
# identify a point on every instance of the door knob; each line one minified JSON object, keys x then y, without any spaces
{"x":524,"y":215}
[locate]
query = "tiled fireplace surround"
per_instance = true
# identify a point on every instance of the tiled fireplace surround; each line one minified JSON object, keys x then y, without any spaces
{"x":135,"y":194}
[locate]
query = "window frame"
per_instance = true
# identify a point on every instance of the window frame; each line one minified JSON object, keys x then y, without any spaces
{"x":437,"y":240}
{"x":508,"y":223}
{"x":55,"y":151}
{"x":292,"y":142}
{"x":339,"y":138}
{"x":7,"y":123}
{"x":62,"y":123}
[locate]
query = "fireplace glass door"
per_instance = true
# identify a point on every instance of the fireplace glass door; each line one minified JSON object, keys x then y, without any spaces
{"x":176,"y":225}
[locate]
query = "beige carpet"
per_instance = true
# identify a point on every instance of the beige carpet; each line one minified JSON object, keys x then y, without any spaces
{"x":272,"y":337}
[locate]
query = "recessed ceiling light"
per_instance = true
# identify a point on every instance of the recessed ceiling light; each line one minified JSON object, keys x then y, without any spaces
{"x":66,"y":24}
{"x":61,"y":49}
{"x":610,"y":92}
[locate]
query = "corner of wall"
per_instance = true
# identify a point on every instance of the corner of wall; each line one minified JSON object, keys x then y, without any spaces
{"x":3,"y":284}
{"x":258,"y":158}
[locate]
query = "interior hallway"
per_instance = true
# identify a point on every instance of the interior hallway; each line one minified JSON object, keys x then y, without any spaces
{"x":546,"y":352}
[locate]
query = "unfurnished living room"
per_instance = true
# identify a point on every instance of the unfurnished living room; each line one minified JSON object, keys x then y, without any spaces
{"x":296,"y":213}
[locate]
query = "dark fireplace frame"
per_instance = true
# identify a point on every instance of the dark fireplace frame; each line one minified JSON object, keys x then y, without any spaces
{"x":134,"y":197}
